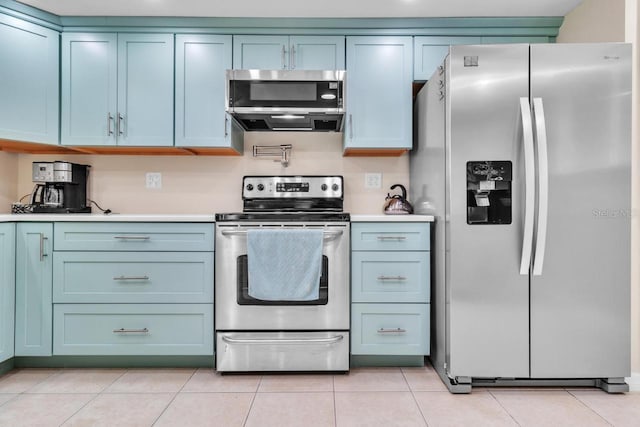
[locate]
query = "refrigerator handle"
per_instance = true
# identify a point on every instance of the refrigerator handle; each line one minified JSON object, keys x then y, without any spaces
{"x":543,"y":186}
{"x":529,"y":187}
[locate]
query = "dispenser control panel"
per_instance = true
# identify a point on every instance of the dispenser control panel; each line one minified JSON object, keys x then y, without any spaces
{"x":489,"y":192}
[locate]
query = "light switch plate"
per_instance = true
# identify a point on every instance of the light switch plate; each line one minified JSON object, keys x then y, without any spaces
{"x":154,"y":180}
{"x":373,"y":180}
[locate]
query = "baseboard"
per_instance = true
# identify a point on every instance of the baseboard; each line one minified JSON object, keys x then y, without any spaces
{"x":634,"y":381}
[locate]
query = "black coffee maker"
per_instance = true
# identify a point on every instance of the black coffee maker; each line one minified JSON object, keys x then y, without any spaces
{"x":61,"y":187}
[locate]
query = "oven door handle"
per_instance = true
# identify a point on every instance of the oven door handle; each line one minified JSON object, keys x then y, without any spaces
{"x":330,"y":340}
{"x":327,"y":235}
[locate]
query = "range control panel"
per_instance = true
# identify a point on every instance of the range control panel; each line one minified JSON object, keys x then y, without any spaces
{"x":300,"y":186}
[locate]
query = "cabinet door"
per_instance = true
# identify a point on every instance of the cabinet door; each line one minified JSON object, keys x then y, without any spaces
{"x":201,"y":62}
{"x":28,"y":81}
{"x":514,"y":39}
{"x":429,"y":52}
{"x":89,"y":89}
{"x":7,"y":289}
{"x":316,"y":53}
{"x":261,"y":52}
{"x":145,"y":89}
{"x":34,"y":275}
{"x":379,"y":81}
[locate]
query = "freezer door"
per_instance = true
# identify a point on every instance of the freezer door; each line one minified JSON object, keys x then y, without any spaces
{"x":488,"y":298}
{"x":580,"y":324}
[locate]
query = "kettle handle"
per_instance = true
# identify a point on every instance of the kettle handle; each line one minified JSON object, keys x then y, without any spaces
{"x":404,"y":190}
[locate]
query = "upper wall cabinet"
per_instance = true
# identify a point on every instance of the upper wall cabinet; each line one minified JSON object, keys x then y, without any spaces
{"x":379,"y":106}
{"x":28,"y":81}
{"x":288,"y":52}
{"x":201,"y":121}
{"x":429,"y":52}
{"x":117,"y":89}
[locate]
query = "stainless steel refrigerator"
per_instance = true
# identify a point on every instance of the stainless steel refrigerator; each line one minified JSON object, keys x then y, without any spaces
{"x":523,"y":154}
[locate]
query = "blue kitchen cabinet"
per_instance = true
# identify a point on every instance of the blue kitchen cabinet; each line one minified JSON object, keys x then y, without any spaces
{"x":7,"y":289}
{"x":200,"y":66}
{"x":29,"y":83}
{"x":514,"y":39}
{"x":34,"y":267}
{"x":288,"y":52}
{"x":378,"y":94}
{"x":429,"y":52}
{"x":390,"y":289}
{"x":117,"y":89}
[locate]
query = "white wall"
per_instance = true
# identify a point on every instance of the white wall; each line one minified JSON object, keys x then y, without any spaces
{"x":8,"y":180}
{"x":208,"y":184}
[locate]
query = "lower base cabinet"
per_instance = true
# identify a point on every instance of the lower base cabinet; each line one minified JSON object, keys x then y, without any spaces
{"x":132,"y":329}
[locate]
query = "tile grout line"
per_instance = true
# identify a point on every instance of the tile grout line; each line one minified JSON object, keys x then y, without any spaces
{"x":335,"y":408}
{"x":414,"y":398}
{"x":174,"y":397}
{"x":589,"y":407}
{"x":503,"y":407}
{"x":253,"y":399}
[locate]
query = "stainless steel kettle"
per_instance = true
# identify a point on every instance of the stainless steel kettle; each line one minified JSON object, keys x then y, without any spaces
{"x":397,"y":204}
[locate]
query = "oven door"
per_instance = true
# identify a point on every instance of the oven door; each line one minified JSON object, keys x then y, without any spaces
{"x":237,"y":311}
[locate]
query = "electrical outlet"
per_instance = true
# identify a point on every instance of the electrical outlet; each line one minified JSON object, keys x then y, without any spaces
{"x":154,"y":180}
{"x":373,"y":180}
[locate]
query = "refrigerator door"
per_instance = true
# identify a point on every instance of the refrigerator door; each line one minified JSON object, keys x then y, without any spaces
{"x":488,"y":298}
{"x":580,"y":324}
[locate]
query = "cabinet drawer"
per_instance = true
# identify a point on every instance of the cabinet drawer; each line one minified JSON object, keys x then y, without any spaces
{"x":133,"y":329}
{"x":390,"y":277}
{"x":370,"y":236}
{"x":130,"y":277}
{"x":130,"y":236}
{"x":390,"y":329}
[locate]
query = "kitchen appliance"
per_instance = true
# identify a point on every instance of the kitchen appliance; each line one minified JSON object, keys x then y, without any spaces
{"x":283,"y":334}
{"x":286,"y":100}
{"x":397,"y":204}
{"x":61,"y":187}
{"x":526,"y":152}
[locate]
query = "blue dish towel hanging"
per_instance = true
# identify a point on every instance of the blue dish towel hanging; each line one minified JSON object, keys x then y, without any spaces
{"x":284,"y":265}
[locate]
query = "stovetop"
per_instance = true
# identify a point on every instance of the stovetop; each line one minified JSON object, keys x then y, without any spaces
{"x":284,"y":217}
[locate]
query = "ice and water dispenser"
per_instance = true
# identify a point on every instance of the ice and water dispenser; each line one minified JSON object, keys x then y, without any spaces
{"x":489,"y":192}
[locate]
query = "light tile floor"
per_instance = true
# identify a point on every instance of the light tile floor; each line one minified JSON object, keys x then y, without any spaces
{"x":365,"y":397}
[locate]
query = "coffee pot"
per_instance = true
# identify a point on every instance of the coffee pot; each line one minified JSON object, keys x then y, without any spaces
{"x":397,"y":204}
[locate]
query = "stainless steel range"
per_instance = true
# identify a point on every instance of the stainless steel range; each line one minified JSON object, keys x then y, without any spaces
{"x":282,"y":277}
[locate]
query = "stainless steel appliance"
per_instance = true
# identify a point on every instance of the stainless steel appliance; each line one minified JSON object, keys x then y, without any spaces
{"x":283,"y":335}
{"x":61,"y":187}
{"x":524,"y":155}
{"x":286,"y":100}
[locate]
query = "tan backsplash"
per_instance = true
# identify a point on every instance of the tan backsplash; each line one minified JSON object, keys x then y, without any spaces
{"x":8,"y":180}
{"x":206,"y":184}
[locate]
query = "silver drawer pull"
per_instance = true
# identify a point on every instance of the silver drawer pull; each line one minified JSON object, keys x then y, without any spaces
{"x":132,"y":237}
{"x":119,"y":278}
{"x":131,"y":331}
{"x":329,"y":340}
{"x":391,"y":331}
{"x":394,"y":278}
{"x":392,"y":238}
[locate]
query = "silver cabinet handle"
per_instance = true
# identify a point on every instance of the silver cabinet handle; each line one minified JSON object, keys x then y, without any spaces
{"x":529,"y":186}
{"x":384,"y":238}
{"x":132,"y":237}
{"x":120,"y":124}
{"x":109,"y":122}
{"x":394,"y":278}
{"x":350,"y":126}
{"x":391,"y":331}
{"x":292,"y":58}
{"x":42,"y":239}
{"x":330,"y":340}
{"x":124,"y":278}
{"x":543,"y":186}
{"x":131,"y":331}
{"x":283,"y":58}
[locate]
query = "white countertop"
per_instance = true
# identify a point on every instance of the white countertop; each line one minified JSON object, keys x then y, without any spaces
{"x":106,"y":218}
{"x":392,"y":218}
{"x":179,"y":218}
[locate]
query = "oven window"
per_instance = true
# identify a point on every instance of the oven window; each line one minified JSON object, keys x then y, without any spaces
{"x":243,"y":286}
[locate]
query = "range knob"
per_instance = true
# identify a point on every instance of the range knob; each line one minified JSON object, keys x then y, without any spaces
{"x":324,"y":187}
{"x":249,"y":187}
{"x":335,"y":187}
{"x":260,"y":187}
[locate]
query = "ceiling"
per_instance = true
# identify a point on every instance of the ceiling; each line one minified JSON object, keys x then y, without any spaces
{"x":306,"y":8}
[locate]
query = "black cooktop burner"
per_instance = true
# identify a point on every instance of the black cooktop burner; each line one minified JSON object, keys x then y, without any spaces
{"x":283,"y":216}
